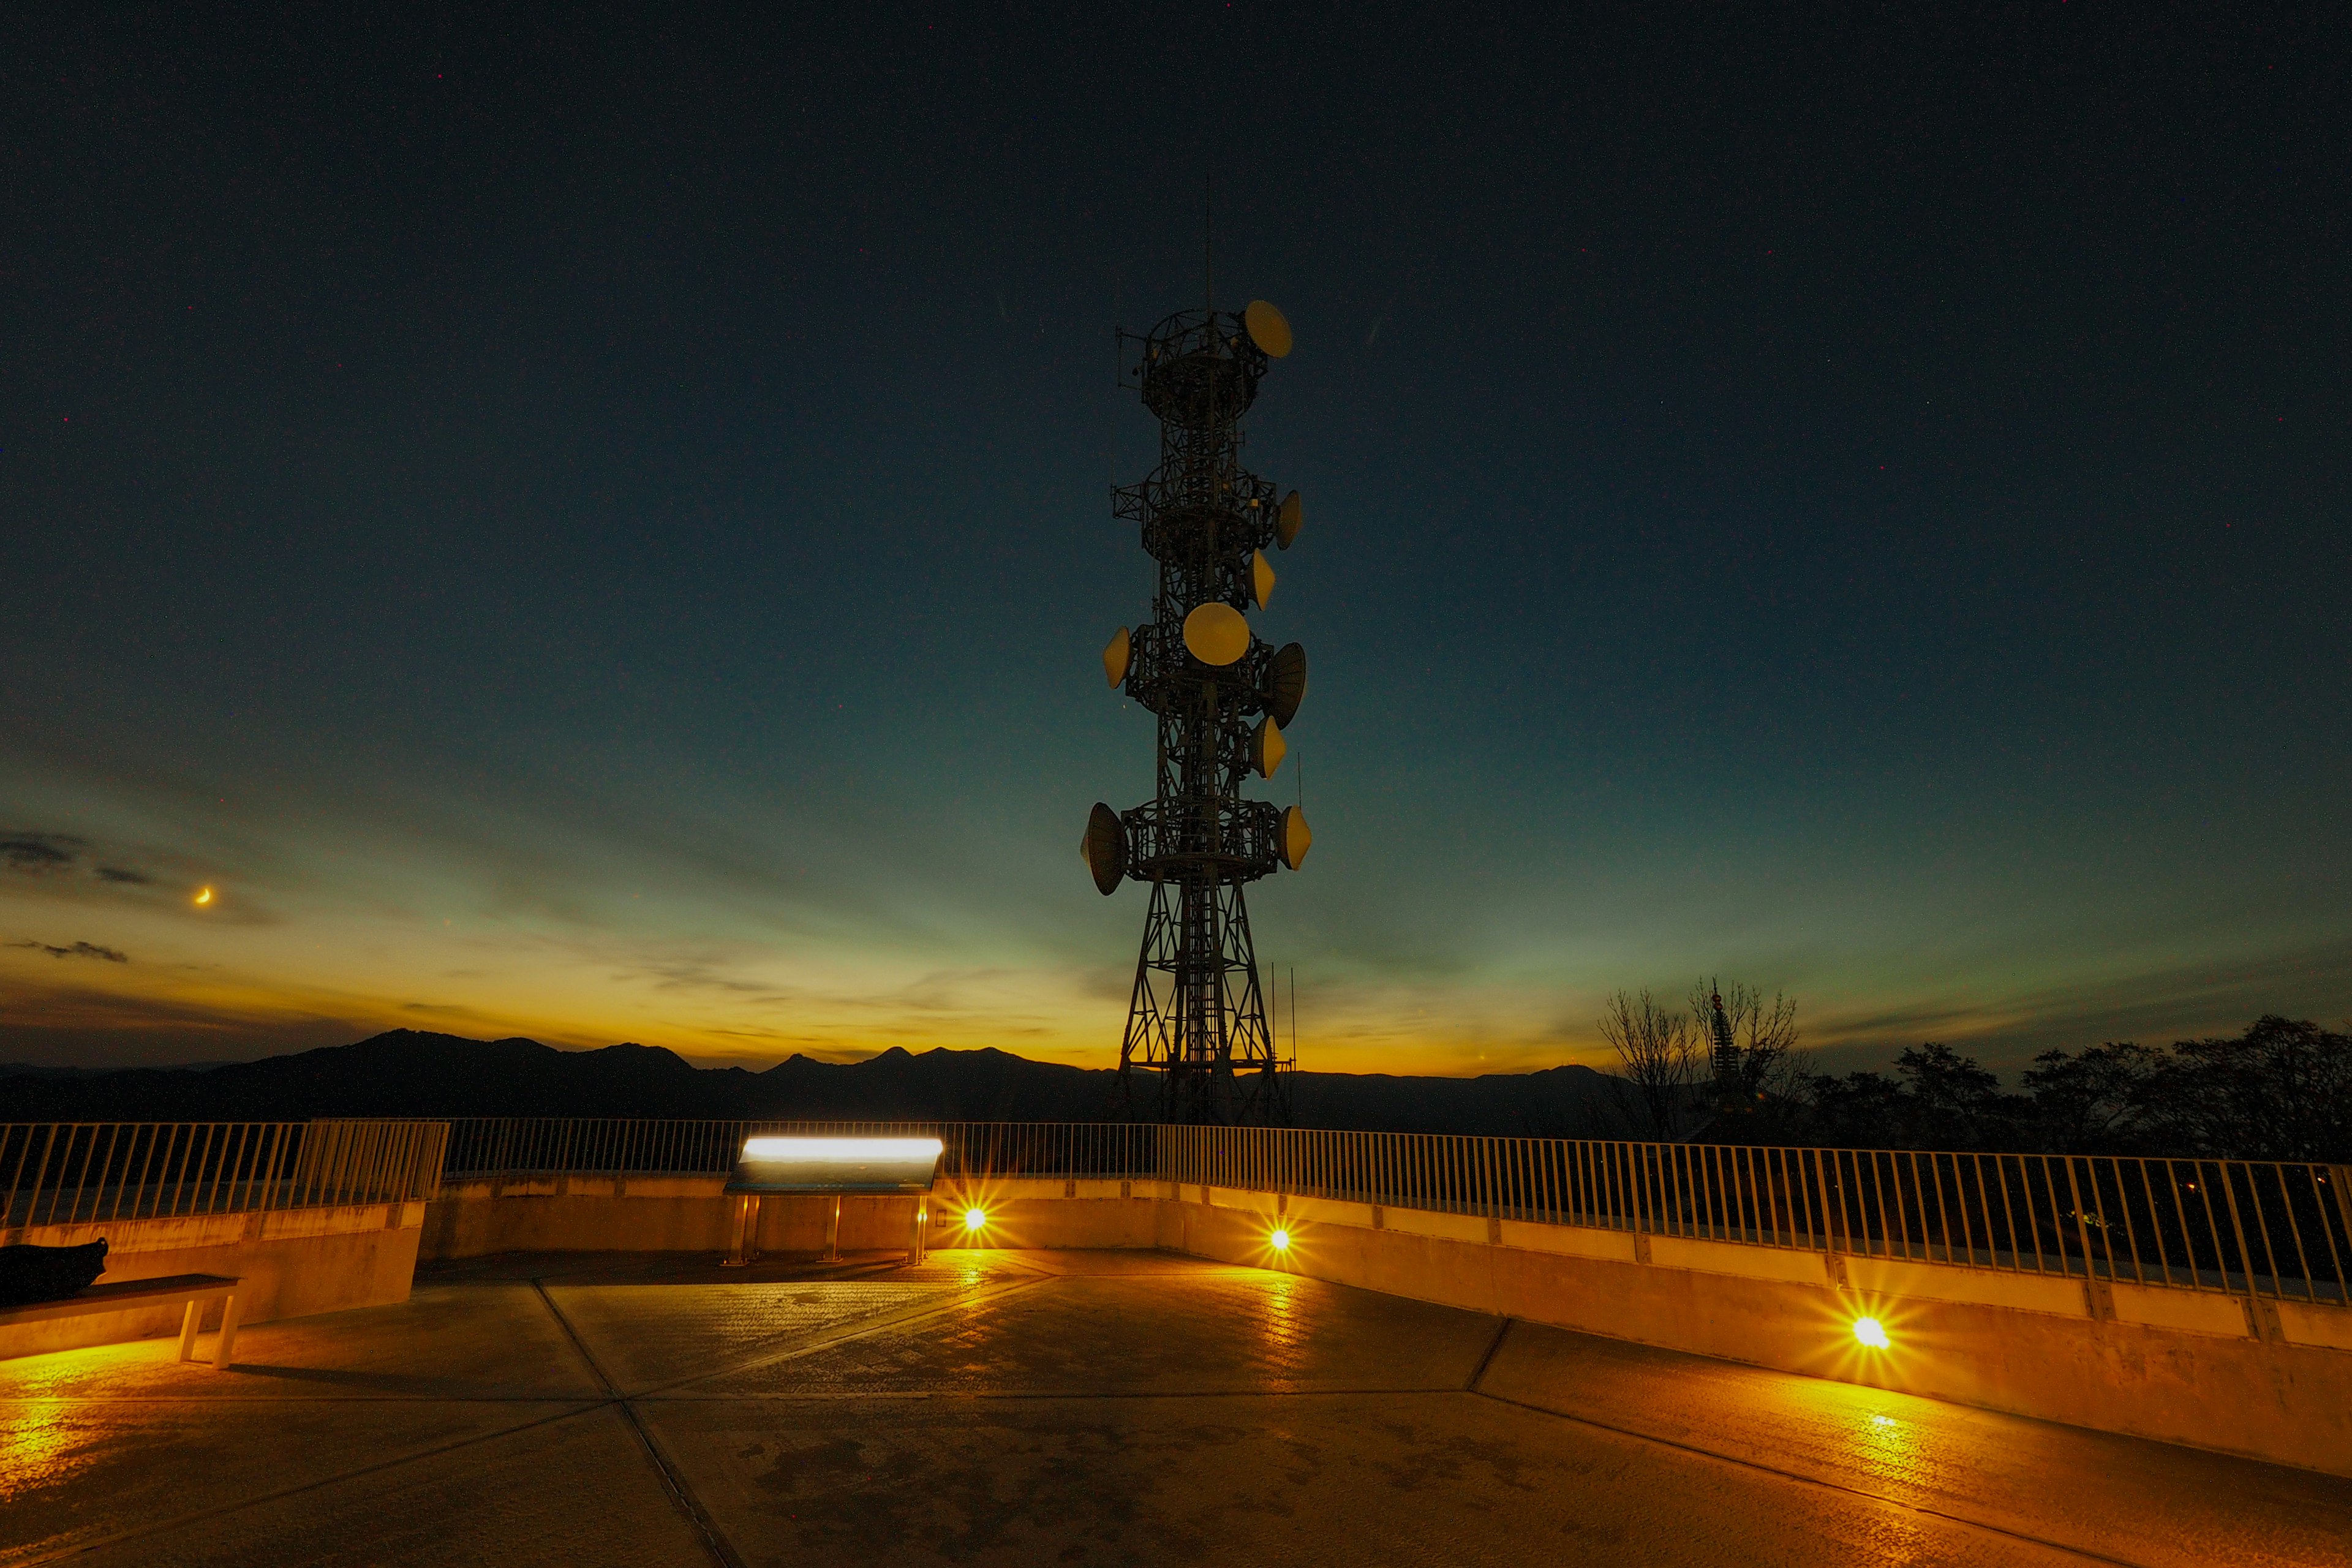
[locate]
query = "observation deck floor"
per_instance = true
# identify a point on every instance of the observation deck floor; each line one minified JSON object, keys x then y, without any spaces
{"x":1003,"y":1407}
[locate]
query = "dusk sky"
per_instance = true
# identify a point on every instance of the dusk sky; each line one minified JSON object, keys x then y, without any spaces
{"x":595,"y":526}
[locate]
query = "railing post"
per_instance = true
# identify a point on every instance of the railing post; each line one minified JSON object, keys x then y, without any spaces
{"x":2081,"y":1225}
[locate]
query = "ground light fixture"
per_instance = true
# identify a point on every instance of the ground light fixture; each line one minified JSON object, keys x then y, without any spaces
{"x":1871,"y":1331}
{"x":975,"y":1219}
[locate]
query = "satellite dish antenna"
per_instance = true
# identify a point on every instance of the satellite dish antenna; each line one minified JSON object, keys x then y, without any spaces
{"x":1116,"y":656}
{"x":1267,"y":748}
{"x":1287,"y":522}
{"x":1285,"y":683}
{"x":1261,"y":578}
{"x":1268,"y":328}
{"x":1104,"y":848}
{"x":1295,"y":839}
{"x":1216,"y":634}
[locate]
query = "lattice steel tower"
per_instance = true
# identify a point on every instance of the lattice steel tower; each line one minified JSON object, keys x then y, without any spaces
{"x":1198,"y":1017}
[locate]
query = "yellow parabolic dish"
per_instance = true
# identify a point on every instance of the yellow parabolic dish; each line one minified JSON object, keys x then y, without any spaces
{"x":1287,"y":521}
{"x":1104,"y":848}
{"x":1268,"y":748}
{"x":1216,"y":634}
{"x":1295,"y":839}
{"x":1268,"y":328}
{"x":1116,"y":657}
{"x":1261,"y":577}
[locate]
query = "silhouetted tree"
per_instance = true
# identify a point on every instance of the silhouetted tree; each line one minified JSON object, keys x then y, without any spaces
{"x":1937,"y":1099}
{"x":1955,"y":1102}
{"x":2282,"y":1091}
{"x":1658,"y":1058}
{"x":1860,"y":1110}
{"x":2104,"y":1102}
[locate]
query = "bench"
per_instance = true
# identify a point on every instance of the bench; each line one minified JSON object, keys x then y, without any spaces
{"x":196,"y":1289}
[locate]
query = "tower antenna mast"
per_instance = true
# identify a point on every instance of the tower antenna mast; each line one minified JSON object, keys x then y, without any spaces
{"x":1197,"y":1018}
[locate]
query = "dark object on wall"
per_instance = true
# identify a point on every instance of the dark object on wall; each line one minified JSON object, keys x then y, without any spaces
{"x":30,"y":1274}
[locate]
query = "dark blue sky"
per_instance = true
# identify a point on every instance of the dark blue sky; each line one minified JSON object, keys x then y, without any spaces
{"x":594,"y":525}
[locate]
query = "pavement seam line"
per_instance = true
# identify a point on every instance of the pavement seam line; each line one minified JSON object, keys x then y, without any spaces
{"x":252,"y":1399}
{"x":681,"y":1496}
{"x":1802,"y":1479}
{"x":868,"y":1397}
{"x":1494,"y":1347}
{"x":583,"y":1407}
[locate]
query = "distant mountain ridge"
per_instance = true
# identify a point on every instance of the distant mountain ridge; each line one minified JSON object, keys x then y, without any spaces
{"x":408,"y":1072}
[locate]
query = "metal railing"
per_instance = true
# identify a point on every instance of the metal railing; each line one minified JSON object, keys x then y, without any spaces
{"x":2268,"y":1229}
{"x":519,"y":1146}
{"x":104,"y":1172}
{"x":2264,"y":1227}
{"x":2272,"y":1228}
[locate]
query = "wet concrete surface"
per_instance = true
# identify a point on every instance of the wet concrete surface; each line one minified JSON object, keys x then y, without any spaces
{"x":1051,"y":1407}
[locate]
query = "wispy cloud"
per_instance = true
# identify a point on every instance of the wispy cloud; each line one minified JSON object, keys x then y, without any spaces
{"x":37,"y":854}
{"x":30,"y":852}
{"x":78,"y":950}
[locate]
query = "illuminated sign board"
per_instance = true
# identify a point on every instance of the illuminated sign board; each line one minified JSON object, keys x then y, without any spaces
{"x":780,"y":1164}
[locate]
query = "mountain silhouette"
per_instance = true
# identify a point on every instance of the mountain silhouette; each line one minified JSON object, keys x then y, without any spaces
{"x":408,"y":1072}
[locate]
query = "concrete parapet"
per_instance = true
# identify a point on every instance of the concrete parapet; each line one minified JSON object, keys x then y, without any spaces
{"x":2271,"y":1380}
{"x":693,"y":1214}
{"x":2180,"y":1367}
{"x":584,"y":1214}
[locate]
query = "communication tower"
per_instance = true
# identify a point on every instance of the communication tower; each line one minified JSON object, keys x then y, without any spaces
{"x":1223,"y":697}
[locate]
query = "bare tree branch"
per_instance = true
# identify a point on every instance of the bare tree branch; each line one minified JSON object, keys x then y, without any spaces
{"x":1659,"y":1056}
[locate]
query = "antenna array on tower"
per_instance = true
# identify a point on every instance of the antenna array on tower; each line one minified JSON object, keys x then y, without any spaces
{"x":1222,"y":697}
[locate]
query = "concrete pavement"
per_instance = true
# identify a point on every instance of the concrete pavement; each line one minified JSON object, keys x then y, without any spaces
{"x":1034,"y":1406}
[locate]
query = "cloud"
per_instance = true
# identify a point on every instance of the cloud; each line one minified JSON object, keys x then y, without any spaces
{"x":31,"y":853}
{"x":2151,"y":1003}
{"x":35,"y":853}
{"x":78,"y":950}
{"x":689,"y":974}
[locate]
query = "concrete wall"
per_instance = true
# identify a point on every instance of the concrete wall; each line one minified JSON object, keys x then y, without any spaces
{"x":293,"y":1262}
{"x":694,"y":1213}
{"x":578,"y":1213}
{"x":2213,"y":1370}
{"x":1049,"y":1214}
{"x":2269,"y":1380}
